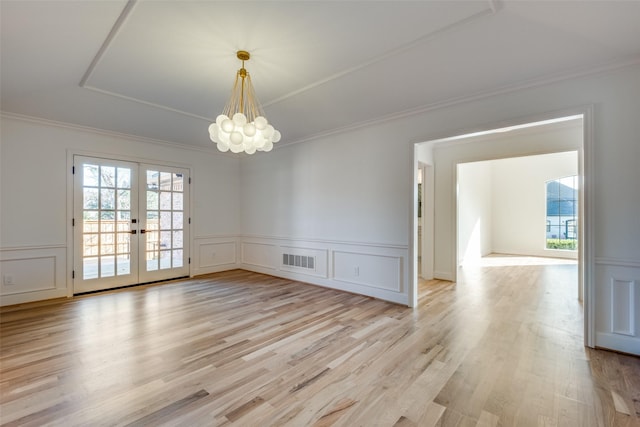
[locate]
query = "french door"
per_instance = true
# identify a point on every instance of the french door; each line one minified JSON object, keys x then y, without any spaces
{"x":131,"y":223}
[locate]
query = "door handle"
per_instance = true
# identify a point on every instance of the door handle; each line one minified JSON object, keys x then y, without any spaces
{"x":143,"y":231}
{"x":134,"y":231}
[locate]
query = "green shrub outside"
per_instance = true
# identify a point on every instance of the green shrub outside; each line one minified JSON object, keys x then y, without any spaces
{"x":562,"y":244}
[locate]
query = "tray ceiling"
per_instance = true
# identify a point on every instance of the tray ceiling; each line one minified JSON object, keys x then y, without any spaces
{"x":164,"y":70}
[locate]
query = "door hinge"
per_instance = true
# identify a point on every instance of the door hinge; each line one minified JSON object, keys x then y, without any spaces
{"x":189,"y":220}
{"x":73,"y":170}
{"x":73,"y":274}
{"x":73,"y":222}
{"x":189,"y":260}
{"x":189,"y":180}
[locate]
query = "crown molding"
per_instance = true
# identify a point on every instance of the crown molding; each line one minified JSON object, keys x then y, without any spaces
{"x":478,"y":96}
{"x":113,"y":134}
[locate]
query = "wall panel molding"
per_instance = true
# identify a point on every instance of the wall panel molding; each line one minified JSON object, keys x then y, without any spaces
{"x":32,"y":273}
{"x":617,"y":290}
{"x":259,"y":254}
{"x":313,"y":241}
{"x":212,"y":254}
{"x":618,"y":262}
{"x":378,"y":271}
{"x":370,"y":269}
{"x":623,"y":311}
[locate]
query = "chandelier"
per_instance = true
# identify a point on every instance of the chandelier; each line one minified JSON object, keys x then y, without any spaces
{"x":242,"y":125}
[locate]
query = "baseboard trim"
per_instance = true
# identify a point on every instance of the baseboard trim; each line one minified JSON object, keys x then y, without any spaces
{"x":615,"y":342}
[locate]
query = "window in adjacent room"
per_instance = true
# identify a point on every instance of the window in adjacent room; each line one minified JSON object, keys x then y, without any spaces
{"x":562,"y":213}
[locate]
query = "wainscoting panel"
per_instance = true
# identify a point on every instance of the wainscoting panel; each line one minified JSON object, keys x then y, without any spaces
{"x":32,"y":274}
{"x":617,"y":289}
{"x":378,"y":271}
{"x":622,"y":299}
{"x":370,"y":269}
{"x":213,"y":254}
{"x":262,"y":255}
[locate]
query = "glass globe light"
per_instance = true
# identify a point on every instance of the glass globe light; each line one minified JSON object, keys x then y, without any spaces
{"x":268,"y":132}
{"x":236,"y":138}
{"x":227,"y":125}
{"x":258,"y":141}
{"x":249,"y":129}
{"x":236,"y":148}
{"x":261,"y":123}
{"x":239,"y":119}
{"x":220,"y":119}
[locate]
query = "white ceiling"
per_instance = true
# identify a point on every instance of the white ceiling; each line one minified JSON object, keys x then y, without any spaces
{"x":164,"y":69}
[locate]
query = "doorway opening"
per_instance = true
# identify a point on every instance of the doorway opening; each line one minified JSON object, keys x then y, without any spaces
{"x":561,"y":135}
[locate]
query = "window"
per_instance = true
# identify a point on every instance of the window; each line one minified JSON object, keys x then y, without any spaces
{"x":562,"y":213}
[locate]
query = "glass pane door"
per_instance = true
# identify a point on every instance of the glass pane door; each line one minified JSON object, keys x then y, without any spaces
{"x":105,"y":205}
{"x":131,"y":223}
{"x":165,"y":223}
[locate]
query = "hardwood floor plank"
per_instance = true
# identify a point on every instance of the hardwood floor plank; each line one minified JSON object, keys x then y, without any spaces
{"x":501,"y":347}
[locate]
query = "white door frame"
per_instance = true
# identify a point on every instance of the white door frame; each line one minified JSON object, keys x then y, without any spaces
{"x":586,"y":290}
{"x":71,"y":153}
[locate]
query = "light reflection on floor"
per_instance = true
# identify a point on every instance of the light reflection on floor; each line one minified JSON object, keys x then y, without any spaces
{"x":501,"y":260}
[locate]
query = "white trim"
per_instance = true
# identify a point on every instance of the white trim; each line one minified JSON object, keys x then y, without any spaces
{"x":398,"y":259}
{"x":529,"y":84}
{"x":388,"y":54}
{"x":443,"y":275}
{"x":217,"y":236}
{"x":54,"y":277}
{"x":72,"y":152}
{"x":325,"y":241}
{"x":364,"y":291}
{"x":621,"y":343}
{"x":618,"y":262}
{"x":32,"y":248}
{"x":148,"y":103}
{"x":115,"y":29}
{"x":64,"y":125}
{"x":618,"y":285}
{"x":585,"y":170}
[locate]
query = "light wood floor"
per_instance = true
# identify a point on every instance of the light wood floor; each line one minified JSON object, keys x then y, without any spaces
{"x":502,"y":347}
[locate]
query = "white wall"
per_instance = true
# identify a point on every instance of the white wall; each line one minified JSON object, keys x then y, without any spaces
{"x":348,"y":198}
{"x":35,"y":213}
{"x":355,"y":188}
{"x":344,"y":198}
{"x":519,"y":202}
{"x":475,"y":213}
{"x":502,"y":203}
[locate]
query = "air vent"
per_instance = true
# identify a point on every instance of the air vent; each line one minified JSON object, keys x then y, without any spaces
{"x":300,"y":261}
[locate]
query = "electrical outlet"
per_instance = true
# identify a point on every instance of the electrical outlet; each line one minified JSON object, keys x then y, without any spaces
{"x":7,"y":279}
